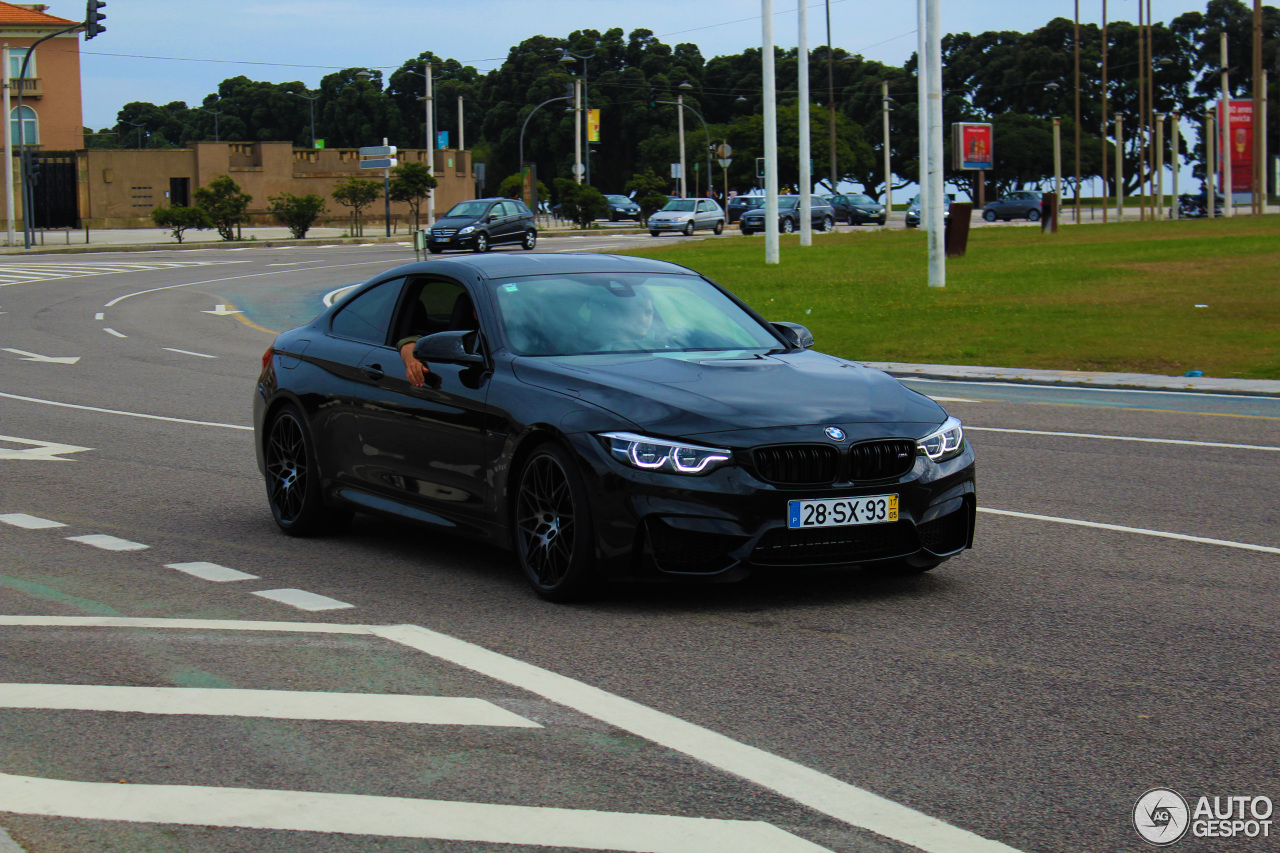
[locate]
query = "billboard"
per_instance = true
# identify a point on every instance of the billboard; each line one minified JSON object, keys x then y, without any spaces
{"x":1239,"y":147}
{"x":593,"y":125}
{"x":972,"y":146}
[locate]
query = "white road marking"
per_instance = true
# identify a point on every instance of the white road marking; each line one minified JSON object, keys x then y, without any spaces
{"x":111,"y":331}
{"x":1122,"y":437}
{"x":108,"y":543}
{"x":1215,"y":395}
{"x":99,"y":316}
{"x":953,"y":400}
{"x":829,"y":796}
{"x":1267,"y":549}
{"x":212,"y":572}
{"x":29,"y":522}
{"x":395,"y":817}
{"x":855,"y":806}
{"x":27,"y":272}
{"x":189,"y":352}
{"x":127,"y":414}
{"x":41,"y":451}
{"x":48,"y":359}
{"x":222,"y":311}
{"x":120,"y":299}
{"x":276,"y":704}
{"x":303,"y":600}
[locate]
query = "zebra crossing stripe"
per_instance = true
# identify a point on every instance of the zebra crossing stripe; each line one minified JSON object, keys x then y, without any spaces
{"x":274,"y":704}
{"x":393,"y":817}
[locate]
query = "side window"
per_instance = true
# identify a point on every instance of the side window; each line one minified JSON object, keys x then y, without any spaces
{"x":429,"y":307}
{"x":367,"y":317}
{"x":509,"y":209}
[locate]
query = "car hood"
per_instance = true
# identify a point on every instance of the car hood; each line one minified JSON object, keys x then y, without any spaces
{"x":455,"y":222}
{"x":685,"y":394}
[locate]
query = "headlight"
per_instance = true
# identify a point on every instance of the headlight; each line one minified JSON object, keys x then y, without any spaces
{"x":945,"y":443}
{"x":668,"y":457}
{"x":467,"y":230}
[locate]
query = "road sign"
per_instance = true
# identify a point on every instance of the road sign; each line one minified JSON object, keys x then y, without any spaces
{"x":378,"y":151}
{"x":724,"y":162}
{"x":380,"y":163}
{"x":724,"y":150}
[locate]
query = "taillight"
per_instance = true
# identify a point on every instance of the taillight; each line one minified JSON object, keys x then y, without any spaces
{"x":266,"y":356}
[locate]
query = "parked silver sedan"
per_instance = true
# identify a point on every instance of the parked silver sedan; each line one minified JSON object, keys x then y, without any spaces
{"x":687,"y":215}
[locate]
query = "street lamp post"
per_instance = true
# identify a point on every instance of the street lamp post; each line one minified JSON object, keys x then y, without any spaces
{"x":425,"y":74}
{"x":568,"y":56}
{"x":215,"y":115}
{"x":139,"y":125}
{"x":312,"y":103}
{"x":679,"y":102}
{"x":534,"y":199}
{"x":887,"y":105}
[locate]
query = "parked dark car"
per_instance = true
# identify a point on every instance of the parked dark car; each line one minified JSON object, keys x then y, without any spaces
{"x":605,"y":417}
{"x":482,"y":223}
{"x":740,"y":204}
{"x":1196,"y":206}
{"x":1016,"y":205}
{"x":856,"y":208}
{"x":912,"y":217}
{"x":821,"y":216}
{"x":621,"y":207}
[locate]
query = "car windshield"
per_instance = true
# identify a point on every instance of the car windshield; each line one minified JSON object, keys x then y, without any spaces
{"x":786,"y":202}
{"x":860,"y":199}
{"x":469,"y":208}
{"x":680,"y":204}
{"x":623,"y":312}
{"x":618,"y":199}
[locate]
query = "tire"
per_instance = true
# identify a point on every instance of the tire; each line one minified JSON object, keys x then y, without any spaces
{"x":788,"y":227}
{"x":747,"y":231}
{"x":688,"y":229}
{"x":555,"y":541}
{"x":654,"y":233}
{"x":827,"y":224}
{"x":1033,"y":216}
{"x":989,"y":215}
{"x":719,"y":229}
{"x":482,"y":242}
{"x":293,"y":479}
{"x":530,"y":240}
{"x":433,"y":250}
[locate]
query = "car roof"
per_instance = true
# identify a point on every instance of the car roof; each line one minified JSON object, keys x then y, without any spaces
{"x":506,"y":264}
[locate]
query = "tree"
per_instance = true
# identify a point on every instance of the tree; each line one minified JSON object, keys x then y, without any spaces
{"x":357,"y":194}
{"x":179,"y":219}
{"x":648,"y":188}
{"x":512,"y":186}
{"x":581,"y":203}
{"x":297,"y":212}
{"x":411,"y":183}
{"x":225,"y":204}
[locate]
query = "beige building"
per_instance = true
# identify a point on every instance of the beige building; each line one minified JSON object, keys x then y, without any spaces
{"x":119,"y":188}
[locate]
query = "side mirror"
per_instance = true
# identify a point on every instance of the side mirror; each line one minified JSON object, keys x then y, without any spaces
{"x":449,"y":348}
{"x":795,"y":334}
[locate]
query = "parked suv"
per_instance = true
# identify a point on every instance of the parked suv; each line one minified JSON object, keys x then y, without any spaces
{"x":821,"y":216}
{"x":687,"y":215}
{"x":740,"y":204}
{"x":478,"y":224}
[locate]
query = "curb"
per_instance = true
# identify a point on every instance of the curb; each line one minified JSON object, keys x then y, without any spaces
{"x":1078,"y":379}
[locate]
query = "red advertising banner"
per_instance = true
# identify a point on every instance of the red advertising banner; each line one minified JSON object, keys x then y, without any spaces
{"x":972,"y":146}
{"x":1239,"y":147}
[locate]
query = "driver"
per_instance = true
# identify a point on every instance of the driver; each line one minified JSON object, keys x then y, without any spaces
{"x":626,"y":322}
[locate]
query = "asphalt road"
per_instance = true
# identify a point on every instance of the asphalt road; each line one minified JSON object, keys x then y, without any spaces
{"x":1114,"y":630}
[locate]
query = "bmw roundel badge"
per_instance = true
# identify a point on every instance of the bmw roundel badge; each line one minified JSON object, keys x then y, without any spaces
{"x":834,"y":433}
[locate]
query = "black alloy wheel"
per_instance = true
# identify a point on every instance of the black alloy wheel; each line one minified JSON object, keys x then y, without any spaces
{"x":989,"y":215}
{"x":530,"y":239}
{"x":293,"y":481}
{"x":688,"y":228}
{"x":553,"y":530}
{"x":482,"y":242}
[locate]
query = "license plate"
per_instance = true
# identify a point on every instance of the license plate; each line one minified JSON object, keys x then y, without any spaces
{"x":839,"y":512}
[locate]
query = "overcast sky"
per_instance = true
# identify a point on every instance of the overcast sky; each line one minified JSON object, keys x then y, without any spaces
{"x":180,"y":50}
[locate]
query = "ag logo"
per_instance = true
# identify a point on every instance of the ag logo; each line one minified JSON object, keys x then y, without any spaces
{"x":1161,"y":816}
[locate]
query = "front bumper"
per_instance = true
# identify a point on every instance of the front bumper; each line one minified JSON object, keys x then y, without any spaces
{"x":729,"y":524}
{"x":680,"y":225}
{"x":467,"y":241}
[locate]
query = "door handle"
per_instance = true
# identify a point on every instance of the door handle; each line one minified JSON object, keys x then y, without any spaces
{"x":372,"y":371}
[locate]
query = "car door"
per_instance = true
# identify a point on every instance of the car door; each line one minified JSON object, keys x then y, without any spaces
{"x":422,"y":448}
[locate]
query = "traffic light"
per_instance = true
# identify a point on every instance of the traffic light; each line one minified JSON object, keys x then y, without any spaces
{"x":93,"y":18}
{"x":653,"y":97}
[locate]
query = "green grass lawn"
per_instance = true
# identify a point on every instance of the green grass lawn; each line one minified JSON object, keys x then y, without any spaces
{"x":1091,"y":297}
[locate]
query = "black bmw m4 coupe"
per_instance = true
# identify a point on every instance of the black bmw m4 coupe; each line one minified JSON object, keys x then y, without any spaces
{"x":607,"y":418}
